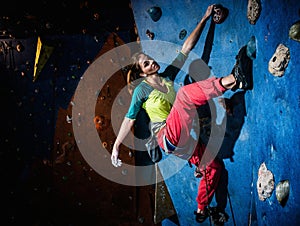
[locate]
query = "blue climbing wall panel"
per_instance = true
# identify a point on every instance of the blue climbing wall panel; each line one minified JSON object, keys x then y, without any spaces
{"x":270,"y":133}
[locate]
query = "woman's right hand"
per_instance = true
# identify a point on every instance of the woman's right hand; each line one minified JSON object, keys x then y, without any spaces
{"x":208,"y":12}
{"x":115,"y":161}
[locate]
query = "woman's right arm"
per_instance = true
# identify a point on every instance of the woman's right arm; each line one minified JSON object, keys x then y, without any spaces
{"x":193,"y":38}
{"x":172,"y":70}
{"x":125,"y":128}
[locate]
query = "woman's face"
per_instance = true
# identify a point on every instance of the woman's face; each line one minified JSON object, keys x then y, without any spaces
{"x":148,"y":65}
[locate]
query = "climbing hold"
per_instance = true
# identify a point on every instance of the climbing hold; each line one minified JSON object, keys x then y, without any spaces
{"x":104,"y":144}
{"x":282,"y":192}
{"x":69,"y":119}
{"x":66,"y":148}
{"x":294,"y":31}
{"x":99,"y":122}
{"x":220,"y":14}
{"x":155,"y":13}
{"x":130,"y":154}
{"x":253,"y":11}
{"x":279,"y":61}
{"x":19,"y":47}
{"x":265,"y":182}
{"x":251,"y":48}
{"x":182,"y":34}
{"x":150,"y":34}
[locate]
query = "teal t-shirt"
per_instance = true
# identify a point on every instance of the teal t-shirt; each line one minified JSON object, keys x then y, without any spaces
{"x":157,"y":104}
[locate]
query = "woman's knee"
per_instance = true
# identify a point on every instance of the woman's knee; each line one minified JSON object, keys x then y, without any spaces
{"x":181,"y":93}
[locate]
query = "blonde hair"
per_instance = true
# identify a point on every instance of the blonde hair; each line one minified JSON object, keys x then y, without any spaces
{"x":133,"y":74}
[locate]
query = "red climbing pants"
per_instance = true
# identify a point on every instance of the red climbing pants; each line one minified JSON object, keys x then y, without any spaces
{"x":180,"y":120}
{"x":211,"y":176}
{"x":179,"y":124}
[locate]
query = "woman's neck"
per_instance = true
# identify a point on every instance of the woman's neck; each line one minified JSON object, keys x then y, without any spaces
{"x":154,"y":79}
{"x":157,"y":83}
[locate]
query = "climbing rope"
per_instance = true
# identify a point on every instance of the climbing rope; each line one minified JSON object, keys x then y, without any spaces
{"x":231,"y":209}
{"x":206,"y":188}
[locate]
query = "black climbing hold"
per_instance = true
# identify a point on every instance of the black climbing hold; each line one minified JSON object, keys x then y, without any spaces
{"x":182,"y":34}
{"x":155,"y":13}
{"x":150,"y":34}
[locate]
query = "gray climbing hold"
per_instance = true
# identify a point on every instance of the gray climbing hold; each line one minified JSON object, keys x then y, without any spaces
{"x":253,"y":11}
{"x":265,"y":182}
{"x":294,"y":31}
{"x":279,"y":61}
{"x":155,"y":13}
{"x":282,"y":192}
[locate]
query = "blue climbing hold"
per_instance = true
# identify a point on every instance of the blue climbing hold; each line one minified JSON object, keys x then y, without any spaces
{"x":251,"y":48}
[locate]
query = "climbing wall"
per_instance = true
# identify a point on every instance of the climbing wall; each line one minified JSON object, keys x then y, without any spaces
{"x":269,"y":134}
{"x":46,"y":180}
{"x":92,"y":197}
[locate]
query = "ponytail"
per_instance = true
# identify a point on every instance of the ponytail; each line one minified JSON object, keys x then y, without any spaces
{"x":133,"y":74}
